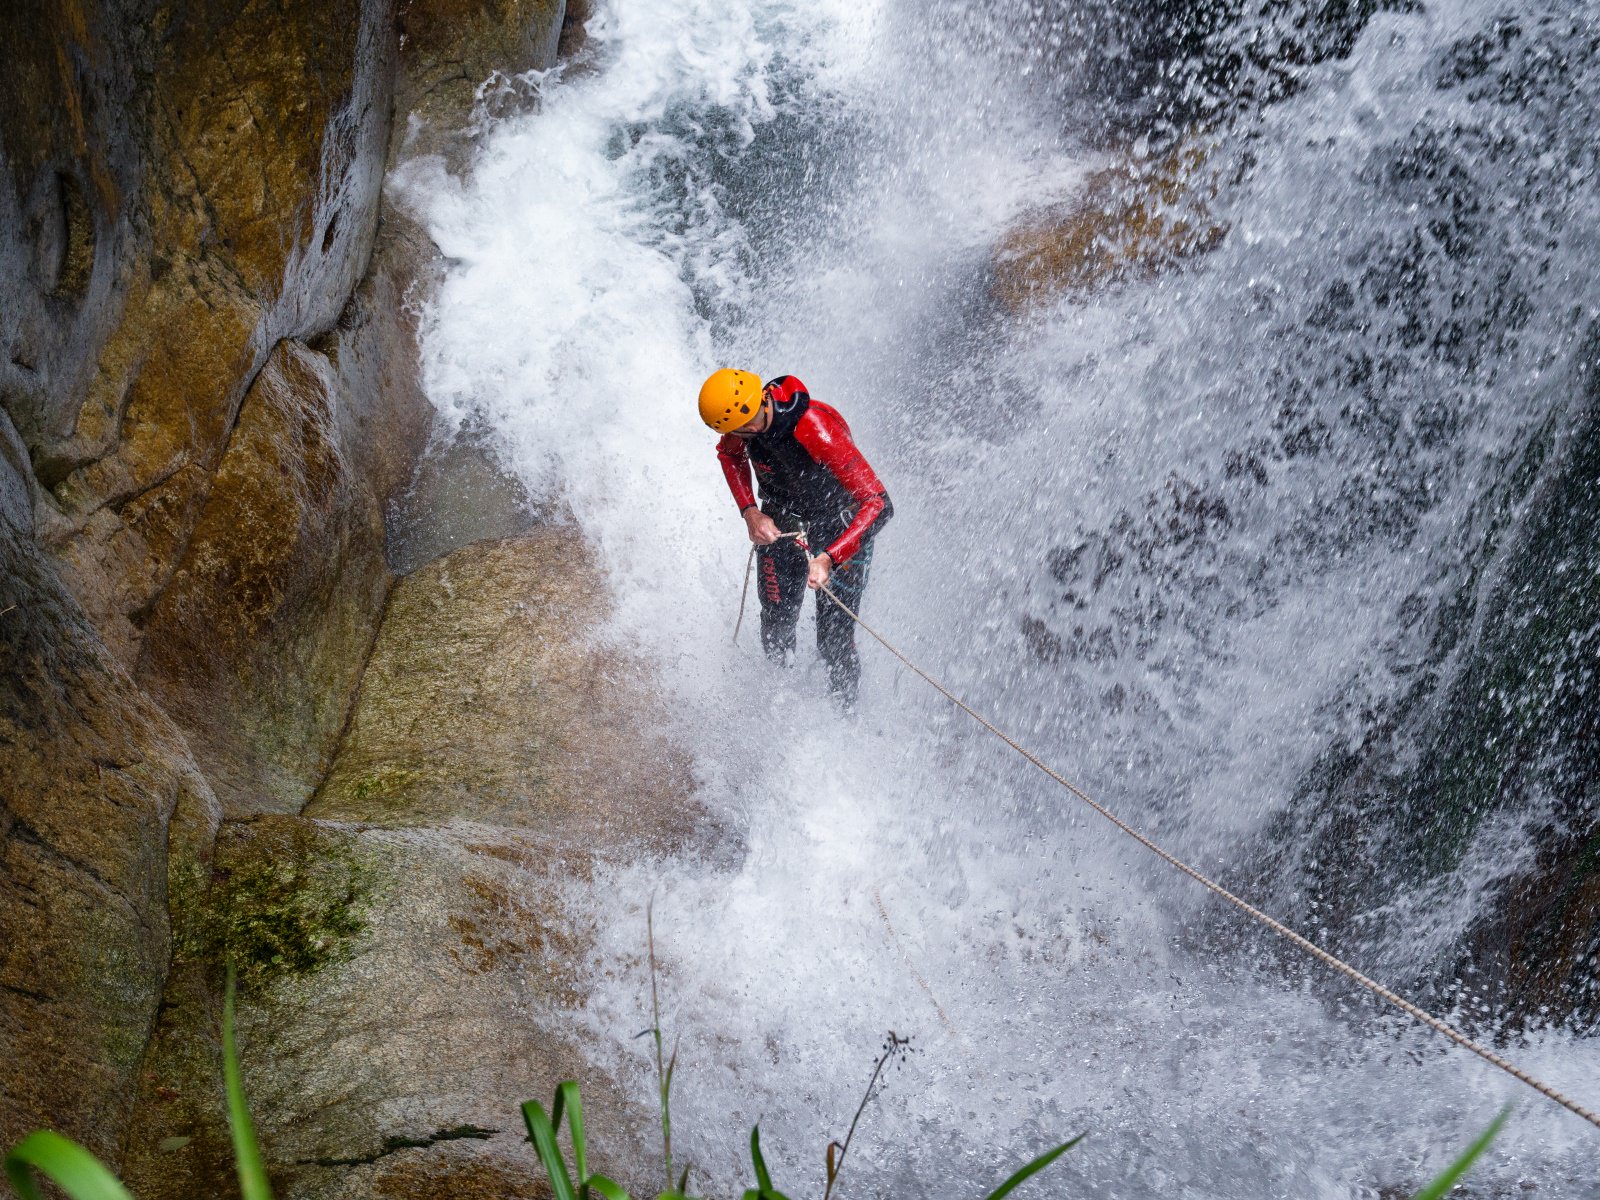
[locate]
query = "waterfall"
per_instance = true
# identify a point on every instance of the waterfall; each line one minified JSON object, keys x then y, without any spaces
{"x":1234,"y":544}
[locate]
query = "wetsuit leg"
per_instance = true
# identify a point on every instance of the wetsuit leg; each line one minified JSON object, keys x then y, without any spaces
{"x":836,"y":632}
{"x":781,"y":585}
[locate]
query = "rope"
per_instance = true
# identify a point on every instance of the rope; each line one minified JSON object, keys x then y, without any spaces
{"x":1248,"y":909}
{"x":744,"y":592}
{"x":894,"y":937}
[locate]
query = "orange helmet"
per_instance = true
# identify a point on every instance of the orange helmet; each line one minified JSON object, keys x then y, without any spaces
{"x":730,"y":399}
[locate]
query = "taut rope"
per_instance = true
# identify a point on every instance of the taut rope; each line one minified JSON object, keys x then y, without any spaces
{"x":1310,"y":947}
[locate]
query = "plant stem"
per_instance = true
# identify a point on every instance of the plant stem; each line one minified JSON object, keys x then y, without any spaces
{"x":895,"y":1045}
{"x":663,"y":1080}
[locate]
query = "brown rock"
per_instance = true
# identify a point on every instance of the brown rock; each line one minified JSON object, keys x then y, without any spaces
{"x":410,"y":977}
{"x":228,"y":204}
{"x":449,"y":48}
{"x":574,"y":28}
{"x":256,"y":643}
{"x":1134,"y":218}
{"x":462,"y":1173}
{"x":488,"y":696}
{"x":97,"y":794}
{"x":402,"y":1061}
{"x":201,"y":422}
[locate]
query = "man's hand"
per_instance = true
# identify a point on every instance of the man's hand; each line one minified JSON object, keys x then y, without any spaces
{"x":763,"y":529}
{"x":821,"y":568}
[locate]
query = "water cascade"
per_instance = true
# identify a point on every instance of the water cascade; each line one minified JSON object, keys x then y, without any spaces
{"x":1251,"y":545}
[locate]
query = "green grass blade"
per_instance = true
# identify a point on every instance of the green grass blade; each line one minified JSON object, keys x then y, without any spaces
{"x":763,"y":1189}
{"x":1441,"y":1186}
{"x":543,"y":1134}
{"x":606,"y":1187}
{"x":763,"y":1179}
{"x":568,"y":1092}
{"x":72,"y":1168}
{"x":246,"y":1151}
{"x":1033,"y":1168}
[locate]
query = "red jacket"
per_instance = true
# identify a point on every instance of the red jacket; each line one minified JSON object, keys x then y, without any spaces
{"x":808,"y":466}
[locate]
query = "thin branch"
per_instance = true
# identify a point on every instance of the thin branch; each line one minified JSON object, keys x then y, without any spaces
{"x":893,"y":1048}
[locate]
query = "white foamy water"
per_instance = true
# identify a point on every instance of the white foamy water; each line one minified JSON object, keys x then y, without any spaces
{"x":814,"y":188}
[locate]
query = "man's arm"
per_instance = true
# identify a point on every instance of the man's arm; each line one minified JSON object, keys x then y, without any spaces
{"x":735,"y":460}
{"x":827,"y":439}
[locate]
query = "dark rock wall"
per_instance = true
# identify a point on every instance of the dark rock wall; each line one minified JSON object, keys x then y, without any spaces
{"x":207,"y":393}
{"x":1502,"y":723}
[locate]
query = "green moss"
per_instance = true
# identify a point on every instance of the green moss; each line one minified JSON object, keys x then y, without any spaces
{"x":286,"y":896}
{"x":378,"y":783}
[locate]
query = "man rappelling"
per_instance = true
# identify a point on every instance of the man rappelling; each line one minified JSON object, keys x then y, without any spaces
{"x":817,"y":490}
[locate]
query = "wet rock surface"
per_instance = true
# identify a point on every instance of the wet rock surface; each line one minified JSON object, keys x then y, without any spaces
{"x":208,"y":392}
{"x":98,"y":796}
{"x":449,"y":48}
{"x":1503,"y":725}
{"x":459,"y":495}
{"x":490,"y":697}
{"x":407,"y":947}
{"x":247,"y":184}
{"x":397,"y":1064}
{"x":257,"y":643}
{"x":1141,"y":215}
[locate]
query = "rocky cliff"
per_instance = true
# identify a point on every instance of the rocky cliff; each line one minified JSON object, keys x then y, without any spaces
{"x":207,"y":395}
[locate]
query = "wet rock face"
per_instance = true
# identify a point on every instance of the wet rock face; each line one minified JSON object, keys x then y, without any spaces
{"x":1137,"y":64}
{"x":214,"y":414}
{"x":396,"y":1064}
{"x":201,"y":415}
{"x":189,"y":185}
{"x":459,"y":495}
{"x":407,"y":946}
{"x":256,"y":644}
{"x":231,"y":202}
{"x":488,"y":697}
{"x":182,"y":187}
{"x":1503,"y":726}
{"x":1134,"y":218}
{"x":97,"y":794}
{"x":449,"y":47}
{"x":282,"y":537}
{"x":1170,"y":88}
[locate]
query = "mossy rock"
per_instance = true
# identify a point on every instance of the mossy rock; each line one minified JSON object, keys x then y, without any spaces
{"x":285,"y":896}
{"x":406,"y":991}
